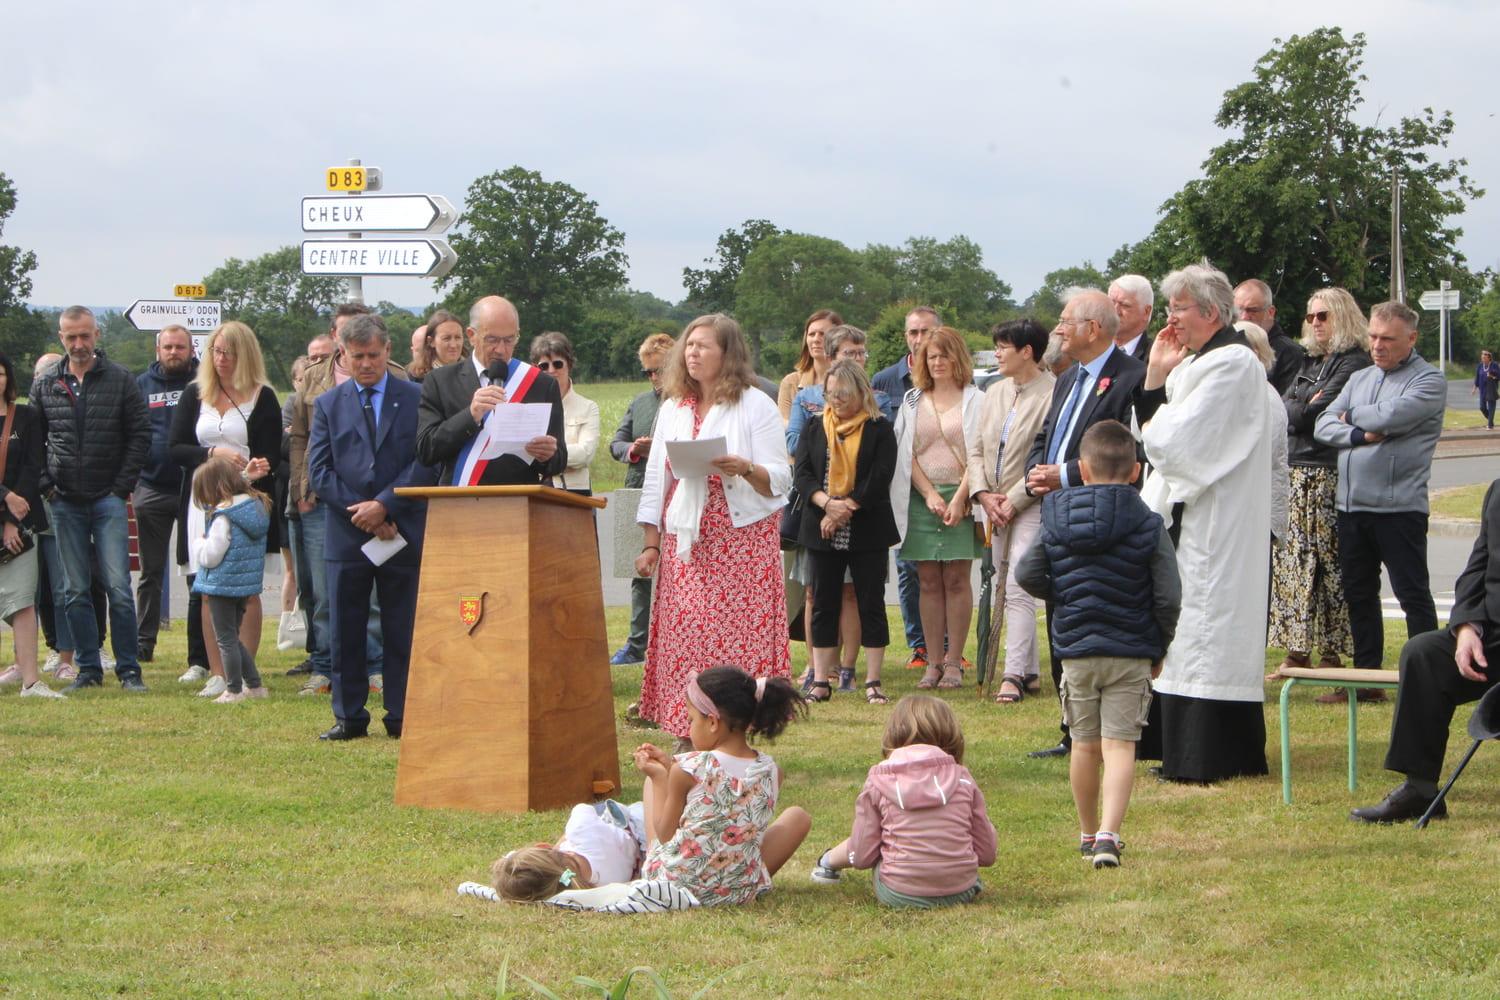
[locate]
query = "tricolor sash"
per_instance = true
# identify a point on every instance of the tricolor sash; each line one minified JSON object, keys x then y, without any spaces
{"x":469,"y":468}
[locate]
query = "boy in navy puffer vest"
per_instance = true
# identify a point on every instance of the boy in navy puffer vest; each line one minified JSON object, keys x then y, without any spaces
{"x":1105,"y":562}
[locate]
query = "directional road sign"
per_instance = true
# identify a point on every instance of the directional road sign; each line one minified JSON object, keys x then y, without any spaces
{"x":371,"y":213}
{"x":1447,"y":299}
{"x":411,"y":258}
{"x":195,"y":314}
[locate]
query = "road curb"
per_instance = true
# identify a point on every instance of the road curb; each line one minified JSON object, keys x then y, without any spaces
{"x":1453,"y":527}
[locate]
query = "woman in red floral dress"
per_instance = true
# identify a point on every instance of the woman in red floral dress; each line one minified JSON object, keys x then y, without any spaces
{"x":715,"y":539}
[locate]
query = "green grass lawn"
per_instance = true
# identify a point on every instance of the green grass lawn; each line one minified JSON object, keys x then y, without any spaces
{"x":1461,"y":418}
{"x":161,"y":846}
{"x":1462,"y":502}
{"x":605,"y":474}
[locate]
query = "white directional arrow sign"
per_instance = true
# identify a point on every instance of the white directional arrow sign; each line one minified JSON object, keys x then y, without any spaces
{"x":371,"y":213}
{"x":409,"y":258}
{"x":195,"y":314}
{"x":1445,"y":299}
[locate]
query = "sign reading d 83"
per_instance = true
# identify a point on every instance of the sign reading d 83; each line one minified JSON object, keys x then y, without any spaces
{"x":352,"y":178}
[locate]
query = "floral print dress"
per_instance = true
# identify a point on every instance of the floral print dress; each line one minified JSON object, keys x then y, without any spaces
{"x":715,"y":854}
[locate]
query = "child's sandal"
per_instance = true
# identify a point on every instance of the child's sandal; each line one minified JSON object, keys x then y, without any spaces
{"x":874,"y":695}
{"x":823,"y":686}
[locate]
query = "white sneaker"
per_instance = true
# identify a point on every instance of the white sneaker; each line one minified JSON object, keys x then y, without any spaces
{"x":229,"y":697}
{"x":12,"y":675}
{"x":53,"y":659}
{"x":40,"y":690}
{"x":259,"y":692}
{"x":106,"y":662}
{"x":215,"y":687}
{"x":193,"y":674}
{"x":377,"y":683}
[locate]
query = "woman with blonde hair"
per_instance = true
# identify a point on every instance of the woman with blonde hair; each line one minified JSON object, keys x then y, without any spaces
{"x":812,"y":363}
{"x":930,"y":495}
{"x":714,"y":537}
{"x":1308,"y":610}
{"x":229,"y":411}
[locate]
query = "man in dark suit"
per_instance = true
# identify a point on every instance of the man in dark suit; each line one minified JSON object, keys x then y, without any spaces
{"x":457,"y":398}
{"x":362,"y":447}
{"x":1441,"y":670}
{"x":1252,"y":304}
{"x":1132,"y":297}
{"x":1102,"y":384}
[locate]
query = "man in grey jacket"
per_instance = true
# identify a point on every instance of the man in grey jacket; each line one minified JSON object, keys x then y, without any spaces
{"x":1385,"y":424}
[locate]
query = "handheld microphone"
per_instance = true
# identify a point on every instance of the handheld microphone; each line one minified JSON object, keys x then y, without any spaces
{"x":497,"y":372}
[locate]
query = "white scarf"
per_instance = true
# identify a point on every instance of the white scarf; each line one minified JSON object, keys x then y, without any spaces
{"x":685,"y":513}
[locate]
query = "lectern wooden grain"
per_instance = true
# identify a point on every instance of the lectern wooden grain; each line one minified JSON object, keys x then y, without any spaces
{"x":508,"y":704}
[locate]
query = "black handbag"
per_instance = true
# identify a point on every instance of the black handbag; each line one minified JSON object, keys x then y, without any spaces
{"x":791,"y":520}
{"x":28,"y":541}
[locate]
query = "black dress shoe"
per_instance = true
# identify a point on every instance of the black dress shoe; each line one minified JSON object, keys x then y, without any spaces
{"x":84,"y":681}
{"x":1061,"y":750}
{"x":393,"y":728}
{"x":305,"y":667}
{"x":340,"y":731}
{"x":1404,"y":803}
{"x":145,"y":654}
{"x":133,"y":684}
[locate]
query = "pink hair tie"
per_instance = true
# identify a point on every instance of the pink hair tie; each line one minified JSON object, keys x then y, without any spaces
{"x":760,"y":689}
{"x":695,"y":697}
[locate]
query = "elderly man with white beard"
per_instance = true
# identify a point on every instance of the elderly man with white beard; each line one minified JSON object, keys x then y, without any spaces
{"x":1209,"y":443}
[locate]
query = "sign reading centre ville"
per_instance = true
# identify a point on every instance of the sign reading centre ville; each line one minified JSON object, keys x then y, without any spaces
{"x":198,"y":315}
{"x":409,"y":258}
{"x":387,"y":213}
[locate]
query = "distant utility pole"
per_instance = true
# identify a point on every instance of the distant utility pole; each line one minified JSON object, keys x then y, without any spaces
{"x":1398,"y":261}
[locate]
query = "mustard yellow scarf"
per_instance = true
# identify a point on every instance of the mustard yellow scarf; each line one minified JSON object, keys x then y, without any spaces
{"x":843,"y":449}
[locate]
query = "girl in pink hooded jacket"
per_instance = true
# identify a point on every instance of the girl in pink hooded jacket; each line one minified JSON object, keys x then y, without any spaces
{"x":920,"y":820}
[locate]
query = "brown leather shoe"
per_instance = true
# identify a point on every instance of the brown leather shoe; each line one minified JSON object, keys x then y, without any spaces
{"x":1370,"y":695}
{"x":1338,"y":696}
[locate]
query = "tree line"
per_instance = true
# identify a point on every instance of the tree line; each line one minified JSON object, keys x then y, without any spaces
{"x":1297,"y":194}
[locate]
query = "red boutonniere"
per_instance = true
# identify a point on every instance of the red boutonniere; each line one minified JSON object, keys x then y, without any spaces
{"x":1103,"y":386}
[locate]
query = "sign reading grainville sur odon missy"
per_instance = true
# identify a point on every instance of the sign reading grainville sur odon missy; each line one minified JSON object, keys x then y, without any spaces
{"x":199,"y":315}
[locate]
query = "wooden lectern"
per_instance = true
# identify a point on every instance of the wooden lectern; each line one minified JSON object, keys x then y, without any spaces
{"x":508,"y":704}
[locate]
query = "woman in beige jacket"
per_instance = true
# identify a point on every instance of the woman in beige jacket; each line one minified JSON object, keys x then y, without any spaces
{"x":1014,"y":409}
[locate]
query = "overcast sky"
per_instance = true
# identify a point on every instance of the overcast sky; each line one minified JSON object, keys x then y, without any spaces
{"x":148,"y":142}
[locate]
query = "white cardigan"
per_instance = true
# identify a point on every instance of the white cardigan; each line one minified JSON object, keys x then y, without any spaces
{"x":581,"y":434}
{"x":752,"y":429}
{"x":906,"y":429}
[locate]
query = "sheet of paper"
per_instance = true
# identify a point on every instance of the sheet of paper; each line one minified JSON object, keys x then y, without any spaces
{"x":510,"y":425}
{"x":378,"y":550}
{"x":690,"y":458}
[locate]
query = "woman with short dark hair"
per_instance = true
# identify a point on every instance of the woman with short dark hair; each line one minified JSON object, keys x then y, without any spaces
{"x":553,"y":354}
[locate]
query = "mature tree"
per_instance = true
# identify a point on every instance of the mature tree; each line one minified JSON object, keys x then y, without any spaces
{"x":948,"y":274}
{"x":1479,"y":324}
{"x":712,"y":288}
{"x":788,"y":277}
{"x":542,"y":244}
{"x":1045,"y":304}
{"x":1300,"y":195}
{"x":281,"y":304}
{"x":400,"y":321}
{"x":18,"y":327}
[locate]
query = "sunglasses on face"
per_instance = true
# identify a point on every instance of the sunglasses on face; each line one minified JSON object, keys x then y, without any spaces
{"x":650,"y":372}
{"x":1321,"y":316}
{"x":557,"y":365}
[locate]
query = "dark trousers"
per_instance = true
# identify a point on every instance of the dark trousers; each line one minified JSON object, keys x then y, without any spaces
{"x":49,"y":596}
{"x":1487,"y":403}
{"x":640,"y":615}
{"x":197,"y":653}
{"x":1056,"y":665}
{"x":909,"y":592}
{"x":349,"y":587}
{"x":1399,"y":542}
{"x":155,"y":515}
{"x":1431,"y":689}
{"x":867,"y":569}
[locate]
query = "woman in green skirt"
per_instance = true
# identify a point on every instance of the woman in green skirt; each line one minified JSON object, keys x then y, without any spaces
{"x":930,"y":495}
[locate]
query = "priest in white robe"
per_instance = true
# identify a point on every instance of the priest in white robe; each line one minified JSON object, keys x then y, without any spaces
{"x":1209,"y":440}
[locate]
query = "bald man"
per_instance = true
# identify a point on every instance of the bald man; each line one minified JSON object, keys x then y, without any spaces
{"x":457,"y":399}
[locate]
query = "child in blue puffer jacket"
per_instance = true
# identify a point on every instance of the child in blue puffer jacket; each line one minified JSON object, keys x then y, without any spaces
{"x":231,"y":559}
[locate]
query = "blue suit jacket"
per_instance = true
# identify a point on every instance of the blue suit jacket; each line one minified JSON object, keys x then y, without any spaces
{"x":346,"y":467}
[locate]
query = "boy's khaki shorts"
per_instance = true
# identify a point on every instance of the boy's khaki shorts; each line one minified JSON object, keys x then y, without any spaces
{"x":1107,"y":696}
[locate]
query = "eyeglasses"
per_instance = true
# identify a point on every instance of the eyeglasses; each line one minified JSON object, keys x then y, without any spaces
{"x":1321,"y":316}
{"x":650,"y":372}
{"x":852,"y":354}
{"x":500,"y":341}
{"x":1073,"y":322}
{"x":220,"y":352}
{"x":557,"y":365}
{"x":1180,"y":310}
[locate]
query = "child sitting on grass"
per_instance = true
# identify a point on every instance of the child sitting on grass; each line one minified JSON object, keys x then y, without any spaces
{"x":708,"y":811}
{"x":920,"y":820}
{"x":1105,"y":562}
{"x":603,"y":843}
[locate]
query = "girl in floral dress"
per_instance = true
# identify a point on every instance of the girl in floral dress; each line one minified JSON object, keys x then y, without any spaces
{"x":708,"y":811}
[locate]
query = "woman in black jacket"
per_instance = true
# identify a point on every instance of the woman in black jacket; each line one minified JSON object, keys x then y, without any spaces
{"x":228,"y":411}
{"x":1308,"y":610}
{"x":845,"y":462}
{"x":21,"y":514}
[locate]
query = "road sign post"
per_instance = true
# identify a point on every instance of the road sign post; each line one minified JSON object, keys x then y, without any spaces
{"x":1444,"y":300}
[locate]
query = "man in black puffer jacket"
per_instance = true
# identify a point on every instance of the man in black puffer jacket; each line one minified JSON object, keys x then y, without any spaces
{"x":98,"y":433}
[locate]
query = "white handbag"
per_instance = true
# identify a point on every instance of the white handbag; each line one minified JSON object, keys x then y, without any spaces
{"x":292,"y":632}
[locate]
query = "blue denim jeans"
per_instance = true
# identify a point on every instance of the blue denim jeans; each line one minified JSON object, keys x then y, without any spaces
{"x":909,"y":593}
{"x":56,"y":595}
{"x":97,"y":527}
{"x":320,"y":638}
